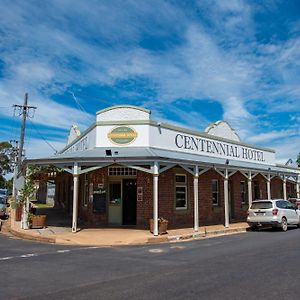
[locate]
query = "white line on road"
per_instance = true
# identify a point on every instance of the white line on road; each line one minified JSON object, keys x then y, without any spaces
{"x":45,"y":253}
{"x":156,"y":250}
{"x":28,"y":255}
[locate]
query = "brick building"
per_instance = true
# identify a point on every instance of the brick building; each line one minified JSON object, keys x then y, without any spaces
{"x":127,"y":168}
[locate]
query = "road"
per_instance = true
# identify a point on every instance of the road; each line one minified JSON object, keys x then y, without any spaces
{"x":253,"y":265}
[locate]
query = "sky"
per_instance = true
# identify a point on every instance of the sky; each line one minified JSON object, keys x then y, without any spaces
{"x":190,"y":62}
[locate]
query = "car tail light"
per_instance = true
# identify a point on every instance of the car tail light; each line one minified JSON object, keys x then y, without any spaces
{"x":275,"y":212}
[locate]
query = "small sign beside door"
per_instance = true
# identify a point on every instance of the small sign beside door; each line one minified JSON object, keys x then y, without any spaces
{"x":139,"y":193}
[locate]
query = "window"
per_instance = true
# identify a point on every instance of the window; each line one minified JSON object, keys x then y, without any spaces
{"x":256,"y":190}
{"x":215,"y":192}
{"x":262,"y":205}
{"x":180,"y":192}
{"x":243,"y":190}
{"x":121,"y":171}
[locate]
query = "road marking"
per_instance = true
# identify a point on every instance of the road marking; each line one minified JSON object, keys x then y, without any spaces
{"x":89,"y":247}
{"x":28,"y":255}
{"x":6,"y":258}
{"x":156,"y":250}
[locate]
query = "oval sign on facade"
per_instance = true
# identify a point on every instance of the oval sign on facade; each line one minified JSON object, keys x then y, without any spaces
{"x":122,"y":135}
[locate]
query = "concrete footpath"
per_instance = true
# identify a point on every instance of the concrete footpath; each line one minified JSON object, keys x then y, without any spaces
{"x":116,"y":236}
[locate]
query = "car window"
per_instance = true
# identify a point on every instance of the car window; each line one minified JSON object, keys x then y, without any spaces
{"x":261,"y":205}
{"x":290,"y":205}
{"x":281,"y":204}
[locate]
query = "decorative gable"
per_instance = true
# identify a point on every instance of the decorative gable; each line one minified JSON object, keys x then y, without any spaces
{"x":73,"y":134}
{"x":222,"y":129}
{"x":123,"y":113}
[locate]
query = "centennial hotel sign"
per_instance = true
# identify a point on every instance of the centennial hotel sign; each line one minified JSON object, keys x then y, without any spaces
{"x":219,"y":148}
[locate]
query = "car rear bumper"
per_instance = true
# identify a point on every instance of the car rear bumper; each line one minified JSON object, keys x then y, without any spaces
{"x":264,"y":223}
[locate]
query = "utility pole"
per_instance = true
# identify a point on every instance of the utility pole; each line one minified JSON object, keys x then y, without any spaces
{"x":24,"y":111}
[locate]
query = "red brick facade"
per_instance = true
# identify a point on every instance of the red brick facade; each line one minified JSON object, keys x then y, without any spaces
{"x":208,"y":213}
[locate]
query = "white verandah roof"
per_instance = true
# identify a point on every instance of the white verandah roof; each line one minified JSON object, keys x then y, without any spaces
{"x":142,"y":155}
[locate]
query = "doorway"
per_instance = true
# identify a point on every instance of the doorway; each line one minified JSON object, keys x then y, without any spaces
{"x":115,"y":204}
{"x":129,"y":201}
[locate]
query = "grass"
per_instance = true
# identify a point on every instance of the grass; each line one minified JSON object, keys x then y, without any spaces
{"x":42,"y":205}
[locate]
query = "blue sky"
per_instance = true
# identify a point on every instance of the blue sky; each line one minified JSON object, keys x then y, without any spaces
{"x":190,"y":62}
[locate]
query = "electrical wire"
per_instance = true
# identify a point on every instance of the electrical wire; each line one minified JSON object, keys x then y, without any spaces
{"x":39,"y":133}
{"x":80,"y":106}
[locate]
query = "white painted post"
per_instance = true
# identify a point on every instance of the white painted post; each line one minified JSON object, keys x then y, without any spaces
{"x":284,"y":188}
{"x":298,"y":189}
{"x":155,"y":198}
{"x":226,"y":204}
{"x":269,"y":187}
{"x":24,"y":221}
{"x":249,"y":189}
{"x":75,"y":196}
{"x":14,"y":192}
{"x":196,"y":199}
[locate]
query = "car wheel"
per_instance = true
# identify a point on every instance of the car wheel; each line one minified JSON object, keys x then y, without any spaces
{"x":254,"y":228}
{"x":284,"y":224}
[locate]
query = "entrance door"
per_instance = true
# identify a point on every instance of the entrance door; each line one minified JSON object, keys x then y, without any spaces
{"x":115,"y":204}
{"x":129,"y":201}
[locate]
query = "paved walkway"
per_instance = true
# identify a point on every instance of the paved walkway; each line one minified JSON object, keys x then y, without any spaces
{"x":118,"y":236}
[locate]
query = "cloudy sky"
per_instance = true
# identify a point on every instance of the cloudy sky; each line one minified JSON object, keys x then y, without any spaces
{"x":190,"y":62}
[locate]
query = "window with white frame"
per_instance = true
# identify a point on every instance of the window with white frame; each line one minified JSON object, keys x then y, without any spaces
{"x":243,"y":191}
{"x":180,"y":192}
{"x":121,"y":171}
{"x":215,"y":192}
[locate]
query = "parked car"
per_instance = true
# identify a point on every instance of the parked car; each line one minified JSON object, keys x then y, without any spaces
{"x":295,"y":201}
{"x":4,"y":193}
{"x":3,"y":206}
{"x":276,"y":213}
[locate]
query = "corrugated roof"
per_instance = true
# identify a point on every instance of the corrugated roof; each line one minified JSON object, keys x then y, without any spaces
{"x":145,"y":153}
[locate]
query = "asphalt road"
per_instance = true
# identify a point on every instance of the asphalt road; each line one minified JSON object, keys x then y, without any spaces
{"x":254,"y":265}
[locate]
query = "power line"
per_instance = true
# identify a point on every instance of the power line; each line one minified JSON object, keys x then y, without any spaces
{"x":79,"y":105}
{"x":44,"y":139}
{"x":25,"y":111}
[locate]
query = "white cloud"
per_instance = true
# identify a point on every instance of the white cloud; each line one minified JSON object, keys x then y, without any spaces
{"x":46,"y":52}
{"x":270,"y":136}
{"x":38,"y":148}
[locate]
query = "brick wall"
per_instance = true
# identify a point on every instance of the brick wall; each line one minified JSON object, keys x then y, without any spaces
{"x":276,"y":188}
{"x":262,"y":187}
{"x":240,"y":209}
{"x":144,"y":205}
{"x":291,"y":190}
{"x":99,"y":176}
{"x":208,"y":213}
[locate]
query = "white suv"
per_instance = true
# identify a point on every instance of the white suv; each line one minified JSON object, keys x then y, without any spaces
{"x":277,"y":213}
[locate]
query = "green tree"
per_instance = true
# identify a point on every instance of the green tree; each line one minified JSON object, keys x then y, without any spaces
{"x":6,"y":158}
{"x":298,"y":160}
{"x":6,"y":153}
